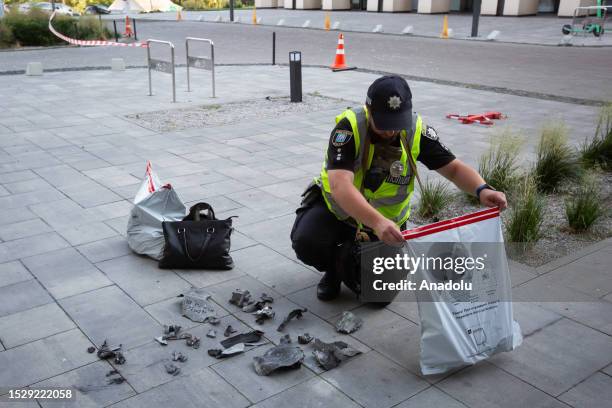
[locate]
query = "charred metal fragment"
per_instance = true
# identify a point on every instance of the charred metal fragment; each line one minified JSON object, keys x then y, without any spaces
{"x":264,"y":314}
{"x":286,"y":339}
{"x":240,"y":298}
{"x":281,"y":357}
{"x":172,"y":369}
{"x":178,"y":356}
{"x":250,"y":337}
{"x":295,"y":313}
{"x":348,"y":323}
{"x":197,"y":307}
{"x":330,"y":355}
{"x":229,"y":330}
{"x":212,"y":333}
{"x":304,"y":338}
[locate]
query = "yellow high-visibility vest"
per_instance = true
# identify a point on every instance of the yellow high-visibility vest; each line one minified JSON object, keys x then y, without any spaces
{"x":390,"y":199}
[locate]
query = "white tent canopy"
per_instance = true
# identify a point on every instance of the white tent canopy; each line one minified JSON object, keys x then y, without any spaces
{"x":137,"y":6}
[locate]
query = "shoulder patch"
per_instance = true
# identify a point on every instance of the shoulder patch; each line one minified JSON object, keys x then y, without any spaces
{"x":341,"y":137}
{"x":430,"y":133}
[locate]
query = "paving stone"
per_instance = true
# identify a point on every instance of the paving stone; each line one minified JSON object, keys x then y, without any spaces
{"x":65,"y":273}
{"x":431,"y":398}
{"x":145,"y":369}
{"x":33,"y":197}
{"x":24,"y":229}
{"x":86,"y":233}
{"x":308,"y":298}
{"x":33,"y":324}
{"x":90,"y":384}
{"x":108,"y":313}
{"x":405,"y":305}
{"x":13,"y":272}
{"x":595,"y":391}
{"x":202,"y":278}
{"x":310,"y":394}
{"x":15,"y":215}
{"x":273,"y":269}
{"x":91,"y":195}
{"x":22,"y":296}
{"x":390,"y":334}
{"x":189,"y":392}
{"x":17,"y":176}
{"x":105,"y":249}
{"x":608,"y":370}
{"x":239,"y":372}
{"x":222,"y":292}
{"x":38,"y":244}
{"x":532,"y":317}
{"x":590,"y":274}
{"x":142,"y":280}
{"x":26,"y":186}
{"x":374,"y":381}
{"x":552,"y":361}
{"x":481,"y":386}
{"x":169,"y":312}
{"x":44,"y":358}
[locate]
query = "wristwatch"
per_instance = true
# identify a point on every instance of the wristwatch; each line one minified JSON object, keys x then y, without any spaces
{"x":483,"y":187}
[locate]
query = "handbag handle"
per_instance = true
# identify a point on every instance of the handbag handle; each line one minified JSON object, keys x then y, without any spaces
{"x":209,"y":233}
{"x":194,"y":212}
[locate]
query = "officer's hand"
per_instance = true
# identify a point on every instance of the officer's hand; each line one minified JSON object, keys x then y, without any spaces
{"x":388,"y":232}
{"x":492,"y":198}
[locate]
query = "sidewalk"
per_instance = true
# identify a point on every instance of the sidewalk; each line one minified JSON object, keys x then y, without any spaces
{"x":69,"y":164}
{"x":543,"y":30}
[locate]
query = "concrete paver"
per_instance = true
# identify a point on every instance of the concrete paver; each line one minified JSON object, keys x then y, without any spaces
{"x":68,"y":180}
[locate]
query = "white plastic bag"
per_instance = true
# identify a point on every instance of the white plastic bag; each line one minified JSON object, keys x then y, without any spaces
{"x":462,"y":330}
{"x":153,"y":204}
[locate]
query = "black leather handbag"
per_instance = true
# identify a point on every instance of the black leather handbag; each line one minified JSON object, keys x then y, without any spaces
{"x":200,"y":241}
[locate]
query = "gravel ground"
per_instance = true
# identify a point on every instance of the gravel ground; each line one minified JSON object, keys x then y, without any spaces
{"x":226,"y":114}
{"x":557,"y":240}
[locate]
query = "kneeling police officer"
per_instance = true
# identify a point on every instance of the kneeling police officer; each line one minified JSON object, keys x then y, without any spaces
{"x":367,"y":180}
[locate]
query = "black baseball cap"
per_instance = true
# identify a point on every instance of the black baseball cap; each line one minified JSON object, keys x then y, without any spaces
{"x":390,"y":102}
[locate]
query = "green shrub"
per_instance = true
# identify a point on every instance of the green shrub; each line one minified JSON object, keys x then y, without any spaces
{"x":32,"y":28}
{"x":556,"y":161}
{"x":598,"y":150}
{"x":6,"y":36}
{"x":584,"y":207}
{"x":524,"y":222}
{"x":435,"y":195}
{"x":498,"y":165}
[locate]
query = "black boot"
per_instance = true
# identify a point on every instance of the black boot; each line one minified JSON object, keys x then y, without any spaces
{"x":328,"y":288}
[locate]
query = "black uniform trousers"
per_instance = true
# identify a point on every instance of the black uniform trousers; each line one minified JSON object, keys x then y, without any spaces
{"x":317,"y":235}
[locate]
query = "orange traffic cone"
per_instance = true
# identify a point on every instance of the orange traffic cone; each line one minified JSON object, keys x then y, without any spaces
{"x":444,"y":33}
{"x":128,"y":28}
{"x":327,"y":23}
{"x":340,"y":61}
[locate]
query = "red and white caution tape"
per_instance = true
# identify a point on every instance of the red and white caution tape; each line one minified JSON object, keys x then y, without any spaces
{"x":92,"y":43}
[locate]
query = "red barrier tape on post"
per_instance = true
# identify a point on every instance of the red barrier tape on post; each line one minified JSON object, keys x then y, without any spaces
{"x":92,"y":43}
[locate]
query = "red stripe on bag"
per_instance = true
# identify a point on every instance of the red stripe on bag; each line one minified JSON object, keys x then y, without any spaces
{"x":150,"y":185}
{"x":451,"y":223}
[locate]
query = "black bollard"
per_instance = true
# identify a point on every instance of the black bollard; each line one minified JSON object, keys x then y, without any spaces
{"x":115,"y":28}
{"x":475,"y":17}
{"x":274,"y":48}
{"x":295,"y":75}
{"x":134,"y":24}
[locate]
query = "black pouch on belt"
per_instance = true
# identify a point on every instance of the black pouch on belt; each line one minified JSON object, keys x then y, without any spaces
{"x":311,"y":195}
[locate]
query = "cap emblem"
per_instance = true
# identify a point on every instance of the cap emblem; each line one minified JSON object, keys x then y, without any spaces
{"x":394,"y":102}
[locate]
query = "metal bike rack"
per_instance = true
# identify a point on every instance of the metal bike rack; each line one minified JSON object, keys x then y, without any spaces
{"x":161,"y":65}
{"x":201,"y":62}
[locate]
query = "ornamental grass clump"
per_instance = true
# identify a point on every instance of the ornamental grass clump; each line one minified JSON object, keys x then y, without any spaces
{"x":435,"y":195}
{"x":583,"y":208}
{"x":498,"y":165}
{"x":598,"y":150}
{"x":556,"y":160}
{"x":526,"y":214}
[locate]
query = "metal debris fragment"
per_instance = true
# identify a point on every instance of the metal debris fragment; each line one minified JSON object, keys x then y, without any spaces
{"x":264,"y":314}
{"x":232,"y":351}
{"x":172,"y":369}
{"x":214,"y":352}
{"x":161,"y":340}
{"x":330,"y":355}
{"x":297,"y":313}
{"x":213,"y":320}
{"x":212,"y":333}
{"x":250,"y":337}
{"x":286,"y":339}
{"x":304,"y":338}
{"x":197,"y":307}
{"x":229,"y":330}
{"x":106,"y":352}
{"x":91,"y":349}
{"x":112,"y":372}
{"x":171,"y":332}
{"x":266,"y":298}
{"x":348,"y":323}
{"x":283,"y":356}
{"x":118,"y":380}
{"x":178,"y":356}
{"x":119,"y":358}
{"x":193,"y":342}
{"x":240,"y":298}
